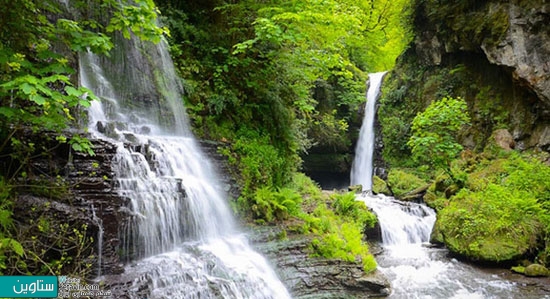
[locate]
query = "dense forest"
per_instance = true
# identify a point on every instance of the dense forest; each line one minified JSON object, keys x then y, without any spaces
{"x":268,"y":82}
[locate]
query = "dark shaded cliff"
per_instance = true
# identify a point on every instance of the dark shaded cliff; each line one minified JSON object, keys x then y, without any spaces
{"x":494,"y":54}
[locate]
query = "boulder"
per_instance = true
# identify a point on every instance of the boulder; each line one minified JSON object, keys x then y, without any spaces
{"x":536,"y":270}
{"x":503,"y":139}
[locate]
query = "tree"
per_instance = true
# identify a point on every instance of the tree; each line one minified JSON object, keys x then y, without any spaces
{"x":434,"y":132}
{"x":39,"y":41}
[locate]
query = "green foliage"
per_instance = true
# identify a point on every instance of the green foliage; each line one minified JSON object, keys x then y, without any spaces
{"x":259,"y":161}
{"x":294,"y":71}
{"x":495,"y":224}
{"x":37,"y":246}
{"x":278,"y":205}
{"x":9,"y":247}
{"x":402,"y":181}
{"x":502,"y":213}
{"x":434,"y":132}
{"x":306,"y":187}
{"x":340,"y":236}
{"x":346,"y":205}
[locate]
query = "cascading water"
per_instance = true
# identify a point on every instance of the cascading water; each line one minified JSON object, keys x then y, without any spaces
{"x":180,"y":240}
{"x":362,"y":168}
{"x":415,"y":269}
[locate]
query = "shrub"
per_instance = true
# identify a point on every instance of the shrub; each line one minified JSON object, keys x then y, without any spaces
{"x":433,"y":141}
{"x":346,"y":205}
{"x":339,"y":231}
{"x":271,"y":205}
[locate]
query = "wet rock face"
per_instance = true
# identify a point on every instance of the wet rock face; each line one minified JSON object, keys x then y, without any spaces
{"x":505,"y":45}
{"x":526,"y":47}
{"x":93,"y":185}
{"x":87,"y":199}
{"x":230,"y":186}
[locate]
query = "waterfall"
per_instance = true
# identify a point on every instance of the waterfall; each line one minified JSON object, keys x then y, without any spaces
{"x":180,"y":240}
{"x":401,"y":223}
{"x":362,"y":167}
{"x":416,"y":270}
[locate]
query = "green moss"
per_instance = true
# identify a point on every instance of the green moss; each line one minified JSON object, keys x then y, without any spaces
{"x":379,"y":186}
{"x":402,"y":182}
{"x":536,"y":270}
{"x":492,"y":225}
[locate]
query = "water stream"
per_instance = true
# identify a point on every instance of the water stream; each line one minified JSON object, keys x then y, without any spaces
{"x":418,"y":270}
{"x":181,"y":240}
{"x":415,"y":268}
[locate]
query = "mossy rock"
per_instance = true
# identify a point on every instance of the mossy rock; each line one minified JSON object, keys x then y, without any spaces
{"x":493,"y":225}
{"x":536,"y":270}
{"x":356,"y":188}
{"x":436,"y":236}
{"x":435,"y":200}
{"x":518,"y":269}
{"x":403,"y":182}
{"x":380,"y":186}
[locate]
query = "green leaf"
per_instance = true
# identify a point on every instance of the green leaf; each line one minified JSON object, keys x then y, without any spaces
{"x":72,"y":91}
{"x":77,"y":147}
{"x":16,"y":247}
{"x":38,"y":99}
{"x":27,"y":88}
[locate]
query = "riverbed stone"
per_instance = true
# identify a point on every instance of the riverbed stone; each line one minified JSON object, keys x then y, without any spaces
{"x":536,"y":270}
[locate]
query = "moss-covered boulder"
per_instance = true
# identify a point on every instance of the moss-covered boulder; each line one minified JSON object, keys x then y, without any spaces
{"x":536,"y":270}
{"x":380,"y":186}
{"x":532,"y":270}
{"x":491,"y":225}
{"x":402,"y":182}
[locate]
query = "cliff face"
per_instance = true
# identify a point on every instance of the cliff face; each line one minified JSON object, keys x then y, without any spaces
{"x":494,"y":54}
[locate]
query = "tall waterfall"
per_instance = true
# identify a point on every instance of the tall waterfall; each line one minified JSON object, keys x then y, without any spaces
{"x":362,"y":167}
{"x":180,"y":240}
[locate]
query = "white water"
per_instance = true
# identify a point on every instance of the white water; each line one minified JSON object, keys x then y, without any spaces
{"x":362,"y":168}
{"x":180,"y":239}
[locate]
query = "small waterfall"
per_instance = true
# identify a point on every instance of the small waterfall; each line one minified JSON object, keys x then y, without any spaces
{"x":401,"y":223}
{"x":99,"y":223}
{"x":362,"y":167}
{"x":181,"y":240}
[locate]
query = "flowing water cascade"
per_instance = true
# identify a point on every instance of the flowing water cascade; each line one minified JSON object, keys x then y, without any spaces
{"x":362,"y":167}
{"x":415,"y":268}
{"x":180,"y":240}
{"x":418,"y":270}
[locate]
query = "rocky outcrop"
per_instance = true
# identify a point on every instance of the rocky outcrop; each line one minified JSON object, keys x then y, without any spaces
{"x":75,"y":189}
{"x":525,"y":47}
{"x":494,"y":54}
{"x":94,"y":186}
{"x":308,"y":277}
